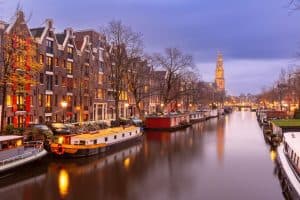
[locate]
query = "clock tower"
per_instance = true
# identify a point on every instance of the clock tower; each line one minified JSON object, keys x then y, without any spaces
{"x":219,"y":75}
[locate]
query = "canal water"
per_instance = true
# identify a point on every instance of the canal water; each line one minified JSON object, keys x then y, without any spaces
{"x":225,"y":158}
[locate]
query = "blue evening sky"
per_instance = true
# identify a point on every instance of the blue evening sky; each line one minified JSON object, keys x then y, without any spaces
{"x":257,"y":37}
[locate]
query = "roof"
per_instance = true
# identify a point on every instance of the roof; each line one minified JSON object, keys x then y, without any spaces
{"x":37,"y":32}
{"x":104,"y":132}
{"x":10,"y":137}
{"x":293,"y":140}
{"x":60,"y":38}
{"x":287,"y":123}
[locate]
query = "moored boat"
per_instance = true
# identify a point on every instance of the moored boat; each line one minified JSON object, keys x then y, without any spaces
{"x":14,"y":152}
{"x":197,"y":116}
{"x":88,"y":144}
{"x":289,"y":165}
{"x":168,"y":122}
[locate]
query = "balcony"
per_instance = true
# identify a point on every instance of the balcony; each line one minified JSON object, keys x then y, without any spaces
{"x":48,"y":109}
{"x":20,"y":107}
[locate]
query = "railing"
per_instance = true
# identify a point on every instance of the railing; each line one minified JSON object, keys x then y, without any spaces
{"x":37,"y":147}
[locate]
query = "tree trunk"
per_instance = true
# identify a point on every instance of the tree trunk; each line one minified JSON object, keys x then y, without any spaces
{"x":141,"y":114}
{"x":117,"y":111}
{"x":3,"y":107}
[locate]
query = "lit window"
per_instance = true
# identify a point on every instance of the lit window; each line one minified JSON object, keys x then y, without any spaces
{"x":69,"y":67}
{"x":8,"y":100}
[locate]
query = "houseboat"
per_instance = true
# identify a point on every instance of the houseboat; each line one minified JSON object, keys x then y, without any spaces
{"x":289,"y":165}
{"x":197,"y":116}
{"x":168,"y":122}
{"x":88,"y":144}
{"x":279,"y":127}
{"x":14,"y":152}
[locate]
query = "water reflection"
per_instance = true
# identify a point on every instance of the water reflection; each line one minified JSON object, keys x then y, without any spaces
{"x":220,"y":139}
{"x":63,"y":183}
{"x":165,"y":165}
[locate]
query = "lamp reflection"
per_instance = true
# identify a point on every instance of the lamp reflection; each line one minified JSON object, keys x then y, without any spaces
{"x":126,"y":163}
{"x":63,"y":183}
{"x":273,"y":154}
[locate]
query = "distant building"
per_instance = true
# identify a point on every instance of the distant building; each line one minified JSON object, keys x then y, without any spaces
{"x":219,"y":74}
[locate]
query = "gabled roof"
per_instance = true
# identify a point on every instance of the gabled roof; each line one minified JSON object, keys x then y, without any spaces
{"x":37,"y":32}
{"x":60,"y":38}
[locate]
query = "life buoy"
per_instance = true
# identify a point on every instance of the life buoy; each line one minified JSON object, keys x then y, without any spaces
{"x":60,"y":150}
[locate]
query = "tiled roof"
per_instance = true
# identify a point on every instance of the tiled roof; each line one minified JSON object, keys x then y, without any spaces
{"x":37,"y":32}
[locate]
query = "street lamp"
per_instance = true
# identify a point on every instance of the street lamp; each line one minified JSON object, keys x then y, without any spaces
{"x":64,"y":104}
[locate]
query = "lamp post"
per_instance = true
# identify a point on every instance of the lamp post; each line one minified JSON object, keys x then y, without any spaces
{"x":64,"y":104}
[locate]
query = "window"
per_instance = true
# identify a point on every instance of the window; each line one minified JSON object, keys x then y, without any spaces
{"x":49,"y":48}
{"x":105,"y":139}
{"x":100,"y":79}
{"x":95,"y":141}
{"x":56,"y":100}
{"x":129,"y":133}
{"x":40,"y":100}
{"x":123,"y":135}
{"x":64,"y":82}
{"x":48,"y":102}
{"x":49,"y":63}
{"x":70,"y":52}
{"x":69,"y":67}
{"x":49,"y":83}
{"x":81,"y":142}
{"x":56,"y":62}
{"x":99,"y":94}
{"x":8,"y":100}
{"x":115,"y":137}
{"x":41,"y":59}
{"x":56,"y":79}
{"x":41,"y":78}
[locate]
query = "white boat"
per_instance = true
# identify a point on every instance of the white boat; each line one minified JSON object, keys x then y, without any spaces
{"x":289,"y":164}
{"x":14,"y":152}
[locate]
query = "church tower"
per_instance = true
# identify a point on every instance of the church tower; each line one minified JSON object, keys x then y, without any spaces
{"x":219,"y":75}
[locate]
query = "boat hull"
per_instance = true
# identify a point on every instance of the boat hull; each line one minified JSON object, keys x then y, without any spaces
{"x":288,"y":179}
{"x":86,"y":152}
{"x":21,"y":162}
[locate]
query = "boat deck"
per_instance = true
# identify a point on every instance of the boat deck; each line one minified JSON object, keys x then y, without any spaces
{"x":28,"y":151}
{"x":104,"y":132}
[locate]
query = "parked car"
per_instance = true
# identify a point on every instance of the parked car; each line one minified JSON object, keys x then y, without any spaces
{"x":60,"y":129}
{"x":37,"y":132}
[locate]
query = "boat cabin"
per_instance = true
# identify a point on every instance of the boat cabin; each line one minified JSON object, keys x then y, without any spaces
{"x":280,"y":127}
{"x":292,"y":149}
{"x":10,"y":145}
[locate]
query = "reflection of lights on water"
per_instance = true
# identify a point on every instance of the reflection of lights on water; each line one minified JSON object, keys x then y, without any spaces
{"x":273,"y":155}
{"x":126,"y":163}
{"x":191,"y":142}
{"x":63,"y":182}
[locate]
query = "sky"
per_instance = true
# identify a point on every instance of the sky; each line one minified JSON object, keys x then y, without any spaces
{"x":257,"y":38}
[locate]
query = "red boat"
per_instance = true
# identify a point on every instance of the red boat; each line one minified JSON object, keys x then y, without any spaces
{"x":167,"y":122}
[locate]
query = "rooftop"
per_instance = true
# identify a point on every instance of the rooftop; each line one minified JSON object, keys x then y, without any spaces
{"x":10,"y":137}
{"x":287,"y":123}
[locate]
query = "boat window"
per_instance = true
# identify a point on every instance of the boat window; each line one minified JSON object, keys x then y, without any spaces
{"x":123,"y":135}
{"x":129,"y":133}
{"x":95,"y":141}
{"x":115,"y":137}
{"x":82,"y":142}
{"x":105,"y":139}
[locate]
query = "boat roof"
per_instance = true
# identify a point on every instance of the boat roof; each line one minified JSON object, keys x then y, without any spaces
{"x":293,"y":140}
{"x":104,"y":132}
{"x":9,"y":137}
{"x":287,"y":123}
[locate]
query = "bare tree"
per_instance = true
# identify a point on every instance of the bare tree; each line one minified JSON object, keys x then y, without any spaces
{"x":138,"y":79}
{"x":175,"y":64}
{"x":125,"y":46}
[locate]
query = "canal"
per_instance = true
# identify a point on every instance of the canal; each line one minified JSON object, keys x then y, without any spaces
{"x":225,"y":158}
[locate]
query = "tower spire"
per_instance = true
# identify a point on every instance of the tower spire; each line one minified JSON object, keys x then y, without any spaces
{"x":219,"y":74}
